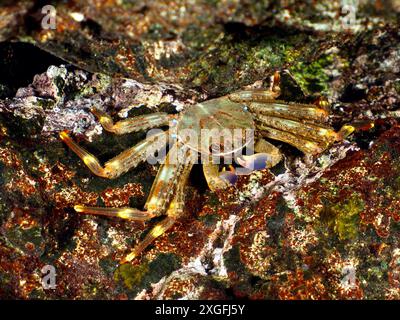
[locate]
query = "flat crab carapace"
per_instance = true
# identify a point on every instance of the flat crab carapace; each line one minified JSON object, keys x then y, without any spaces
{"x":301,"y":125}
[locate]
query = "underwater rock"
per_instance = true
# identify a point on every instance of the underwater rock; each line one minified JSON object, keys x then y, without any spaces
{"x":322,"y":227}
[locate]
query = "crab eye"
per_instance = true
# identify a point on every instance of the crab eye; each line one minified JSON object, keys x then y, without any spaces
{"x":257,"y":161}
{"x":229,"y":177}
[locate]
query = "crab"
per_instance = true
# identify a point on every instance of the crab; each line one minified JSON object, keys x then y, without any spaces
{"x":303,"y":126}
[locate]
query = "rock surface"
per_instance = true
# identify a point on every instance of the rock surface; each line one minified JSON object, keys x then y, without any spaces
{"x":324,"y":227}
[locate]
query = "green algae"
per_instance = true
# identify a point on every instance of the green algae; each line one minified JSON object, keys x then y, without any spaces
{"x":210,"y":220}
{"x":312,"y":77}
{"x":19,"y":237}
{"x":396,"y":85}
{"x":343,"y":217}
{"x":141,"y":276}
{"x":230,"y":62}
{"x":131,"y":275}
{"x":103,"y":81}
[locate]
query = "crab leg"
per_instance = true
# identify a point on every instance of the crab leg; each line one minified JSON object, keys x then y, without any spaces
{"x":154,"y":233}
{"x":306,"y":130}
{"x":122,"y":162}
{"x":124,"y":213}
{"x":165,"y":183}
{"x":213,"y":177}
{"x":259,"y":95}
{"x":290,"y":111}
{"x":134,"y":124}
{"x":175,"y":210}
{"x":306,"y":146}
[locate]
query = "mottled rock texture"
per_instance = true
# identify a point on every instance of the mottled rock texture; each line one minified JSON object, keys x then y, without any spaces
{"x":323,"y":227}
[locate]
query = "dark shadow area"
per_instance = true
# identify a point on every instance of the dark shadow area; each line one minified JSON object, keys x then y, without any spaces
{"x":19,"y":63}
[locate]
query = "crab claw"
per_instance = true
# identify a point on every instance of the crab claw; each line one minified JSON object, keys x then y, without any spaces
{"x":256,"y":161}
{"x":229,"y":176}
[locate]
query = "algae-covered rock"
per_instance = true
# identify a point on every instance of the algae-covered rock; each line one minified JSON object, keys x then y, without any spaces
{"x":323,"y":227}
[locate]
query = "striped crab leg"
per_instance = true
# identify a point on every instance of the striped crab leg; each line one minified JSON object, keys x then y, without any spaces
{"x":262,"y":102}
{"x":295,"y":111}
{"x":134,"y":124}
{"x":304,"y":145}
{"x":124,"y":213}
{"x":300,"y":125}
{"x":306,"y":130}
{"x":115,"y":167}
{"x":164,"y":186}
{"x":174,"y":211}
{"x":124,"y":161}
{"x":297,"y":124}
{"x":170,"y":180}
{"x":259,"y":95}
